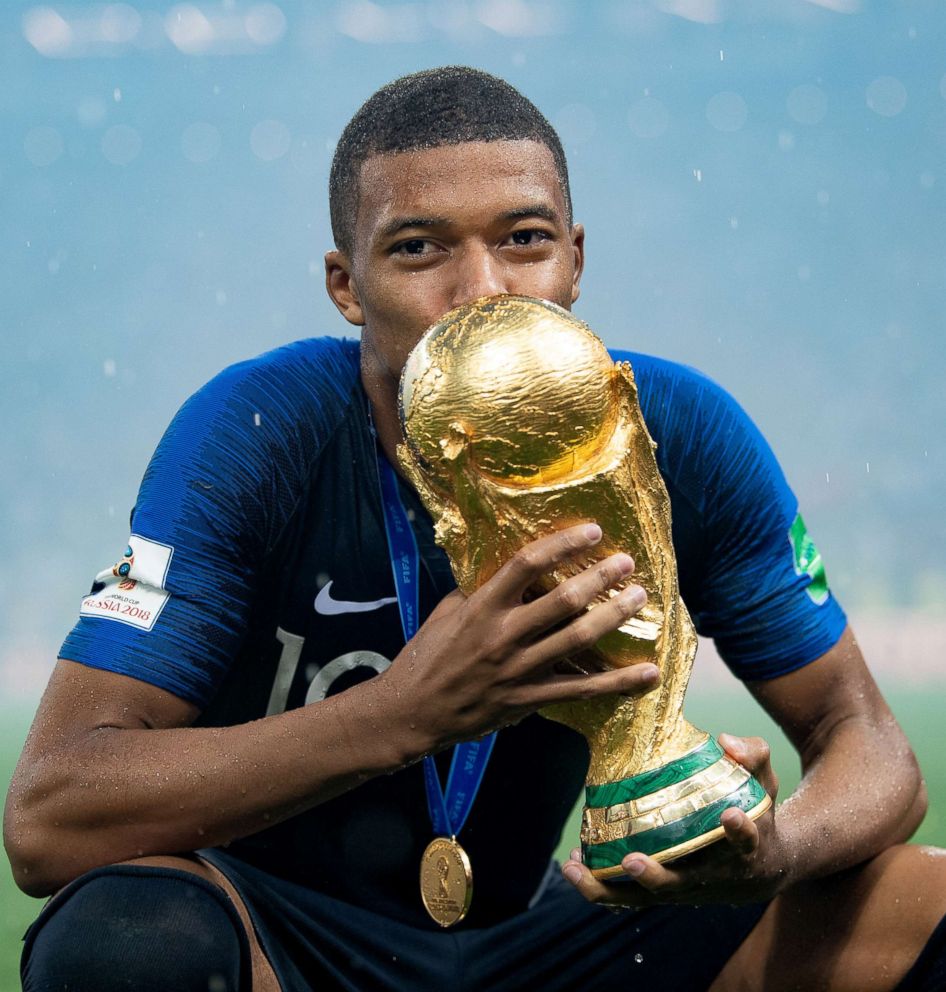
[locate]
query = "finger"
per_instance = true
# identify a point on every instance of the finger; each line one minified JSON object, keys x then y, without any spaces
{"x":634,"y":680}
{"x":581,"y":633}
{"x":573,"y":595}
{"x":600,"y":892}
{"x":754,"y":754}
{"x":655,"y":878}
{"x":538,"y":558}
{"x":740,"y":831}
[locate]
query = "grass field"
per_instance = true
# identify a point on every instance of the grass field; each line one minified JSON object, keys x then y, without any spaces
{"x":919,"y":710}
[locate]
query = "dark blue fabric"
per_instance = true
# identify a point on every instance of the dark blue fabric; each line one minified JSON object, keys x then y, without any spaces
{"x":137,"y":929}
{"x":561,"y":944}
{"x":928,"y":973}
{"x":236,"y":464}
{"x":226,"y":478}
{"x":732,"y":510}
{"x":281,"y":593}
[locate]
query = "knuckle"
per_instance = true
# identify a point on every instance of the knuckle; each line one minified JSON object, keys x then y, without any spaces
{"x":570,"y":597}
{"x":527,"y":560}
{"x":761,"y":747}
{"x":579,"y":637}
{"x":568,"y":540}
{"x":612,"y":569}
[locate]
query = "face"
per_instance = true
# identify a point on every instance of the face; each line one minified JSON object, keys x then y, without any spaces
{"x":444,"y":226}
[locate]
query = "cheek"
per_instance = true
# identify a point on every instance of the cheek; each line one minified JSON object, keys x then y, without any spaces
{"x":554,"y":283}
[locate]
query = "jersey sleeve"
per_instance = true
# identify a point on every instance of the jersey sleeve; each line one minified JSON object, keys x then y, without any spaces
{"x":222,"y":484}
{"x":751,"y":577}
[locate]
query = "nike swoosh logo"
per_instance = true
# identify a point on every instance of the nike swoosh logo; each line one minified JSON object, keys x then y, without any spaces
{"x":329,"y":607}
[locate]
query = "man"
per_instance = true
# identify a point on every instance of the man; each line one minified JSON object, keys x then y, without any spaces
{"x":258,"y":579}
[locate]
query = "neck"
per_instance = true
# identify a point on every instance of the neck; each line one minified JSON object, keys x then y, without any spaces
{"x":381,"y":390}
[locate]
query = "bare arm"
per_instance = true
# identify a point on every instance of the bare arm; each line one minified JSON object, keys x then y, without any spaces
{"x":112,"y":770}
{"x":860,"y":792}
{"x":861,"y":788}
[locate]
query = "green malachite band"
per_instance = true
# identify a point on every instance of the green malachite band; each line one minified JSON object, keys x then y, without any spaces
{"x":612,"y":793}
{"x":746,"y":797}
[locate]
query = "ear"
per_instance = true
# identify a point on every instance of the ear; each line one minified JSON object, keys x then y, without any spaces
{"x":341,"y":287}
{"x":578,"y":249}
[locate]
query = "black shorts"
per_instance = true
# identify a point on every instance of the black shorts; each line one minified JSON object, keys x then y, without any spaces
{"x":562,"y":944}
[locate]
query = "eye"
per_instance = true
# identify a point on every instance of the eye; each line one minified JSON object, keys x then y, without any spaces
{"x":528,"y":237}
{"x":414,"y":248}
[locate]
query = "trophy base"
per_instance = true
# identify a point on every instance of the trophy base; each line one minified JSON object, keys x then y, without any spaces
{"x":667,"y":812}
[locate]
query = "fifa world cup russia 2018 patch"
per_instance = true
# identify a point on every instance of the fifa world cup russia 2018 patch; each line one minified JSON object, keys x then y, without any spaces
{"x":808,"y":561}
{"x":132,"y":590}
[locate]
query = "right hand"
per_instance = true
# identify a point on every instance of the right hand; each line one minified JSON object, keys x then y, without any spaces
{"x":485,"y":661}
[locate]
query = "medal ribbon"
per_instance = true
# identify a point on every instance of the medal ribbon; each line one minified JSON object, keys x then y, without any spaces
{"x":448,"y":812}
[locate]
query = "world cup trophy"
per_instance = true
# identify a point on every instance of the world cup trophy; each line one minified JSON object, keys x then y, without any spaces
{"x":518,"y":423}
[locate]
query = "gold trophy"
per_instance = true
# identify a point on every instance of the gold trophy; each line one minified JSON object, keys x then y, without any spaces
{"x":517,"y":423}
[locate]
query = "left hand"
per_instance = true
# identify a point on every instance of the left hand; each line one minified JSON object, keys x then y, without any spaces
{"x":748,"y":864}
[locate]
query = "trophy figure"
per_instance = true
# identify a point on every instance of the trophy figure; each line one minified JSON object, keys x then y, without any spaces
{"x":517,"y":423}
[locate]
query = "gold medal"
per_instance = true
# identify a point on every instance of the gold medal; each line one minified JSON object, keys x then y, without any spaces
{"x":446,"y":881}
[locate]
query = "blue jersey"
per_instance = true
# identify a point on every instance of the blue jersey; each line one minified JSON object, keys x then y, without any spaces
{"x":257,"y":579}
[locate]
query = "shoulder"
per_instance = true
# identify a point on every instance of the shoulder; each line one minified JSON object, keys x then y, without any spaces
{"x":673,"y":396}
{"x":706,"y":442}
{"x":290,"y":396}
{"x":249,"y":437}
{"x":314,"y":374}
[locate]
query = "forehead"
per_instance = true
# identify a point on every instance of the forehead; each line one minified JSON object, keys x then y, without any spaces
{"x":450,"y":180}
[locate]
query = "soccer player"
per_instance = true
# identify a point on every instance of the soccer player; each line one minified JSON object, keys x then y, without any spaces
{"x":224,"y":783}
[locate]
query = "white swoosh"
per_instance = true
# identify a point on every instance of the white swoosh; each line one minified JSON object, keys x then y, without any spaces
{"x":329,"y":607}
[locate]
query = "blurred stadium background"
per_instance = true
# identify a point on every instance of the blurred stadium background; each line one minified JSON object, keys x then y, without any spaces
{"x":763,"y":186}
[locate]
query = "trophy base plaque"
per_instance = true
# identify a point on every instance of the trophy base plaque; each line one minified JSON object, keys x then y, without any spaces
{"x":667,"y":812}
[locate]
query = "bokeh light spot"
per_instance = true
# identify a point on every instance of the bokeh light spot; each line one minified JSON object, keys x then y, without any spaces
{"x":270,"y":140}
{"x":265,"y":24}
{"x":886,"y":96}
{"x":189,"y":29}
{"x":91,"y":111}
{"x":47,"y":31}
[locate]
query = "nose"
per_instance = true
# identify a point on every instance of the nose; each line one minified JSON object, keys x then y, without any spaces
{"x":479,"y":273}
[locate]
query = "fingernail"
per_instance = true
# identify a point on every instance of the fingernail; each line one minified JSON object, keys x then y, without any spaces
{"x":625,"y":563}
{"x":732,"y":745}
{"x":650,"y":673}
{"x":634,"y":868}
{"x":573,"y":874}
{"x":633,"y":597}
{"x":593,"y":532}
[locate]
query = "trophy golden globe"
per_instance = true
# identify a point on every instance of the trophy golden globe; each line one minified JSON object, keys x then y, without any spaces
{"x":518,"y":423}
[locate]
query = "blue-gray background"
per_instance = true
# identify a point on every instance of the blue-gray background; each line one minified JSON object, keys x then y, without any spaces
{"x":762,"y":182}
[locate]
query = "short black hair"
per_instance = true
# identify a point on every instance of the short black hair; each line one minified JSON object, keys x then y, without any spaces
{"x":445,"y":106}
